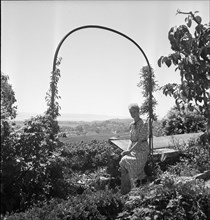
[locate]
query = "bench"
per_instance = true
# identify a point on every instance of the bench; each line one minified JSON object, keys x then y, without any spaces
{"x":166,"y":151}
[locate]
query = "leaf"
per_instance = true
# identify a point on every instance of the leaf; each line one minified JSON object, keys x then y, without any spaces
{"x":175,"y":96}
{"x":189,"y":22}
{"x":174,"y":58}
{"x":164,"y":59}
{"x":177,"y":104}
{"x":188,"y":76}
{"x":176,"y":68}
{"x":159,"y":61}
{"x":204,"y":52}
{"x":198,"y":28}
{"x":198,"y":19}
{"x":168,"y":62}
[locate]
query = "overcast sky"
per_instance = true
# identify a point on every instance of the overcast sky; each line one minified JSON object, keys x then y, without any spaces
{"x":99,"y":69}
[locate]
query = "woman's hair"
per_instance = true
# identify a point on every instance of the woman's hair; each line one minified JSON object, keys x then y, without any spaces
{"x":133,"y":106}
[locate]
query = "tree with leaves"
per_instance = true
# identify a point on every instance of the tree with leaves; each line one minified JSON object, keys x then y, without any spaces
{"x":191,"y":56}
{"x":8,"y":109}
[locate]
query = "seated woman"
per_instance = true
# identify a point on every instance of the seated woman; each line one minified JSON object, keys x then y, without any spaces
{"x":135,"y":157}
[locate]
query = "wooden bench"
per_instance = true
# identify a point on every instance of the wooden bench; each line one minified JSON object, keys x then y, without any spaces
{"x":165,"y":152}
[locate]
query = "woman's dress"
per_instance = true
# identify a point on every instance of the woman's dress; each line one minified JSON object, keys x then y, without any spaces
{"x":135,"y":162}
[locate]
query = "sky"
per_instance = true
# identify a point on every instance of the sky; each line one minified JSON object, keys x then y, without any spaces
{"x":99,"y":69}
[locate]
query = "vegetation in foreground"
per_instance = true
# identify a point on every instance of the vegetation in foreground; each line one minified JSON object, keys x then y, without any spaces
{"x":92,"y":188}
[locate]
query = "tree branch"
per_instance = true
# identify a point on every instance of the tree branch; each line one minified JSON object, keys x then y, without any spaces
{"x":188,"y":13}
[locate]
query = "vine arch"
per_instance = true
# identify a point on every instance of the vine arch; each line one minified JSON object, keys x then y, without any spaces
{"x":53,"y":81}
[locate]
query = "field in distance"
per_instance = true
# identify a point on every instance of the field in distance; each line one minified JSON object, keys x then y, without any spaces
{"x":77,"y":131}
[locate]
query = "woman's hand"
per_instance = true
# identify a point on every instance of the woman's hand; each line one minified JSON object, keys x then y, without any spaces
{"x":125,"y":152}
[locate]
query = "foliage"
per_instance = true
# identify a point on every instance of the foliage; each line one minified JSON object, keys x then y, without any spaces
{"x":87,"y":156}
{"x":158,"y":129}
{"x":173,"y":199}
{"x":194,"y":159}
{"x":149,"y":85}
{"x":181,"y":122}
{"x":31,"y":165}
{"x":52,"y":95}
{"x":8,"y":110}
{"x":191,"y":56}
{"x":98,"y":205}
{"x":205,"y":140}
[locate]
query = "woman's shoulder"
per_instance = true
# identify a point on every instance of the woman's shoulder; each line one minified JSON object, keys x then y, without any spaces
{"x":140,"y":124}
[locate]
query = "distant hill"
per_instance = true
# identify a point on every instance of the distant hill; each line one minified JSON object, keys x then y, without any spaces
{"x":21,"y":116}
{"x":86,"y":117}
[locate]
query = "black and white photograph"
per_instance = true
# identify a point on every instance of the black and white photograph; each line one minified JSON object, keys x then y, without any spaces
{"x":105,"y":109}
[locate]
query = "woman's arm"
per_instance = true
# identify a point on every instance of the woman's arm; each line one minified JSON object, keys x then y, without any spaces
{"x":126,"y":152}
{"x":133,"y":147}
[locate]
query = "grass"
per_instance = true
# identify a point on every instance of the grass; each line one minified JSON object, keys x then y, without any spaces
{"x":79,"y":138}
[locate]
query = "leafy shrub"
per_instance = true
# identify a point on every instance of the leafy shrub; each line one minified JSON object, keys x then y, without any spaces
{"x":180,"y":122}
{"x":172,"y":199}
{"x":87,"y":156}
{"x":158,"y":129}
{"x":31,"y":165}
{"x":194,"y":159}
{"x":183,"y":168}
{"x":90,"y":205}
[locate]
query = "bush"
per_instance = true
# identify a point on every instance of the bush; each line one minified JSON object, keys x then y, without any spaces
{"x":194,"y":159}
{"x":179,"y":122}
{"x":31,"y":165}
{"x":172,"y":199}
{"x":86,"y":157}
{"x":158,"y":129}
{"x":99,"y":206}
